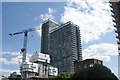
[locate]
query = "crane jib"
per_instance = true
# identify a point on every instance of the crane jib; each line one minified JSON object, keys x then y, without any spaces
{"x":24,"y":49}
{"x":25,"y":31}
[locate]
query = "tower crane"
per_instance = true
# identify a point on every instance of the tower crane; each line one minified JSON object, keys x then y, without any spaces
{"x":24,"y":49}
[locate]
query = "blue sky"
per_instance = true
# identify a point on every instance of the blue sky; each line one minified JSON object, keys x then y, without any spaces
{"x":98,"y":37}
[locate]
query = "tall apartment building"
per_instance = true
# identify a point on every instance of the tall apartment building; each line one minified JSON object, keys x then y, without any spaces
{"x":116,"y":14}
{"x":47,"y":26}
{"x":115,"y":5}
{"x":64,"y":46}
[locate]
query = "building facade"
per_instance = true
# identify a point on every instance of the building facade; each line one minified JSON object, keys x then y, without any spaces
{"x":38,"y":65}
{"x":47,"y":26}
{"x":115,"y":5}
{"x":44,"y":68}
{"x":116,"y":14}
{"x":81,"y":65}
{"x":65,"y":47}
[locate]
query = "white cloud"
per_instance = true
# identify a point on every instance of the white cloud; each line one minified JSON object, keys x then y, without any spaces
{"x":50,"y":11}
{"x":46,"y":15}
{"x":13,"y":53}
{"x":39,"y":31}
{"x":9,"y":71}
{"x":101,"y":51}
{"x":15,"y":60}
{"x":93,"y":17}
{"x":36,"y":18}
{"x":4,"y":71}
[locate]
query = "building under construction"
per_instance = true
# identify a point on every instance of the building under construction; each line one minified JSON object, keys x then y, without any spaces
{"x":60,"y":47}
{"x":38,"y":65}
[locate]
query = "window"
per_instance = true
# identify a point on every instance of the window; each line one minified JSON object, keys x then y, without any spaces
{"x":85,"y":66}
{"x":90,"y":65}
{"x":79,"y":66}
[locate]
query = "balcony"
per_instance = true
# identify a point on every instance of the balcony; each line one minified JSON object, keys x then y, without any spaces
{"x":40,"y":57}
{"x":116,"y":31}
{"x":118,"y":42}
{"x":118,"y":48}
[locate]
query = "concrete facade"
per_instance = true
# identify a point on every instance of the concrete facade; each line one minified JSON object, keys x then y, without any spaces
{"x":38,"y":65}
{"x":43,"y":62}
{"x":47,"y":26}
{"x":65,"y":47}
{"x":28,"y":69}
{"x":81,"y":65}
{"x":116,"y":14}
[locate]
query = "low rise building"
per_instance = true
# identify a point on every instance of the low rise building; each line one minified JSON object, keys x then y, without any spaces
{"x":38,"y":65}
{"x":81,"y":65}
{"x":29,"y":68}
{"x":44,"y":66}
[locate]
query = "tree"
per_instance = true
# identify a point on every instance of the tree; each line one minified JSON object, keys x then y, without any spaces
{"x":96,"y":72}
{"x":63,"y":76}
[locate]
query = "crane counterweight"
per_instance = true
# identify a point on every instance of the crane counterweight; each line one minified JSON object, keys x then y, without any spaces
{"x":11,"y":34}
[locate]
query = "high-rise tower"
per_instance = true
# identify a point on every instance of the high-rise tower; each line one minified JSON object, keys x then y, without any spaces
{"x":63,"y":44}
{"x":115,"y":5}
{"x":116,"y":12}
{"x":47,"y":26}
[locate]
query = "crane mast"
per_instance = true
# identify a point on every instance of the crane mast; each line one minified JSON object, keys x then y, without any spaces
{"x":24,"y":49}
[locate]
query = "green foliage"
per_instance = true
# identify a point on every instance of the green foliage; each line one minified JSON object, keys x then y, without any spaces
{"x":63,"y":76}
{"x":97,"y":72}
{"x":94,"y":73}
